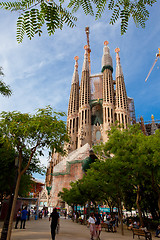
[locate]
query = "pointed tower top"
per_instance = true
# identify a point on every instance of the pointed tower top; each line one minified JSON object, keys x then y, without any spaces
{"x":85,"y":62}
{"x":141,"y":118}
{"x":153,"y":125}
{"x":106,"y":58}
{"x":119,"y":71}
{"x":106,"y":43}
{"x":143,"y":126}
{"x":86,"y":47}
{"x":75,"y":77}
{"x":76,"y":61}
{"x":117,"y":50}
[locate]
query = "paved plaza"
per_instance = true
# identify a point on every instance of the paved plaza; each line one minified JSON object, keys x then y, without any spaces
{"x":40,"y":229}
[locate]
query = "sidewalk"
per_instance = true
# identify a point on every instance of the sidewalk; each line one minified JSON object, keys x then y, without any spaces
{"x":40,"y":229}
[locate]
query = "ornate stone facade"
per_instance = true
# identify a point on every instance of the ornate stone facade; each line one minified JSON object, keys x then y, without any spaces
{"x":94,"y":105}
{"x":102,"y":101}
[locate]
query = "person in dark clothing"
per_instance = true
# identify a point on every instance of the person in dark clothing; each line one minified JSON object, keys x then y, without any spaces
{"x":54,"y":222}
{"x":113,"y":222}
{"x":157,"y":231}
{"x":98,"y":224}
{"x":18,"y":218}
{"x":24,"y":214}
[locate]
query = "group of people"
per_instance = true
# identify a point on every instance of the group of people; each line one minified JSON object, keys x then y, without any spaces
{"x":94,"y":222}
{"x":136,"y":224}
{"x":21,"y":217}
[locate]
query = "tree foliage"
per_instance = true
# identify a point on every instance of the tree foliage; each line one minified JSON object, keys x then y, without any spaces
{"x":34,"y":132}
{"x":127,"y":170}
{"x":135,"y":159}
{"x":8,"y":171}
{"x":35,"y":13}
{"x":4,"y":89}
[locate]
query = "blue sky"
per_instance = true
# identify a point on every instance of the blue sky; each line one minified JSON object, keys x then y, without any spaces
{"x":40,"y":71}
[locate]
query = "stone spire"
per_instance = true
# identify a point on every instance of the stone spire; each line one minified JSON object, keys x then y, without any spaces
{"x":122,"y":110}
{"x":74,"y":94}
{"x":108,"y":91}
{"x":85,"y":62}
{"x":153,"y":125}
{"x":84,"y":107}
{"x":119,"y":71}
{"x":106,"y":58}
{"x":85,"y":81}
{"x":73,"y":108}
{"x":143,"y":126}
{"x":75,"y":77}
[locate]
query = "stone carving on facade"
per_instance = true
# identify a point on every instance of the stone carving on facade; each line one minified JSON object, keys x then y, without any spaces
{"x":97,"y":133}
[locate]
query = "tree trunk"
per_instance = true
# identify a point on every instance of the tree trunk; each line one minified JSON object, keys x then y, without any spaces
{"x":76,"y":214}
{"x":20,"y":173}
{"x":73,"y":213}
{"x":89,"y":208}
{"x":121,"y":216}
{"x":8,"y":214}
{"x":159,"y":201}
{"x":138,"y":205}
{"x":6,"y":220}
{"x":156,"y":188}
{"x":85,"y":215}
{"x":13,"y":207}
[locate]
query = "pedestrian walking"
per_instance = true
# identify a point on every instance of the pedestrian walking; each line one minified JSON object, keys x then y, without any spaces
{"x":18,"y":218}
{"x":24,"y":214}
{"x":113,"y":222}
{"x":91,"y":222}
{"x":54,"y":217}
{"x":65,"y":214}
{"x":98,"y":224}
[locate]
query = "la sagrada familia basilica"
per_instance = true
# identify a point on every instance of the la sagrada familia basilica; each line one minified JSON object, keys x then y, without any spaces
{"x":95,"y":103}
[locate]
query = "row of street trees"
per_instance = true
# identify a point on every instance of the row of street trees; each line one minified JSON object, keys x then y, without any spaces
{"x":28,"y":135}
{"x":126,"y":173}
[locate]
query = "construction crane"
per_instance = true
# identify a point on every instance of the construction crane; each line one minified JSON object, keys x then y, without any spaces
{"x":157,"y":56}
{"x":89,"y":50}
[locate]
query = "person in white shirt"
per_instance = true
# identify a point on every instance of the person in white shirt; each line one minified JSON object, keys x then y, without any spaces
{"x":92,"y":221}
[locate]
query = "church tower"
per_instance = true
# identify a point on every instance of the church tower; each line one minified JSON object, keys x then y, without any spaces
{"x":93,"y":107}
{"x":98,"y":102}
{"x":121,"y":109}
{"x":108,"y":90}
{"x":73,"y":109}
{"x":84,"y":133}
